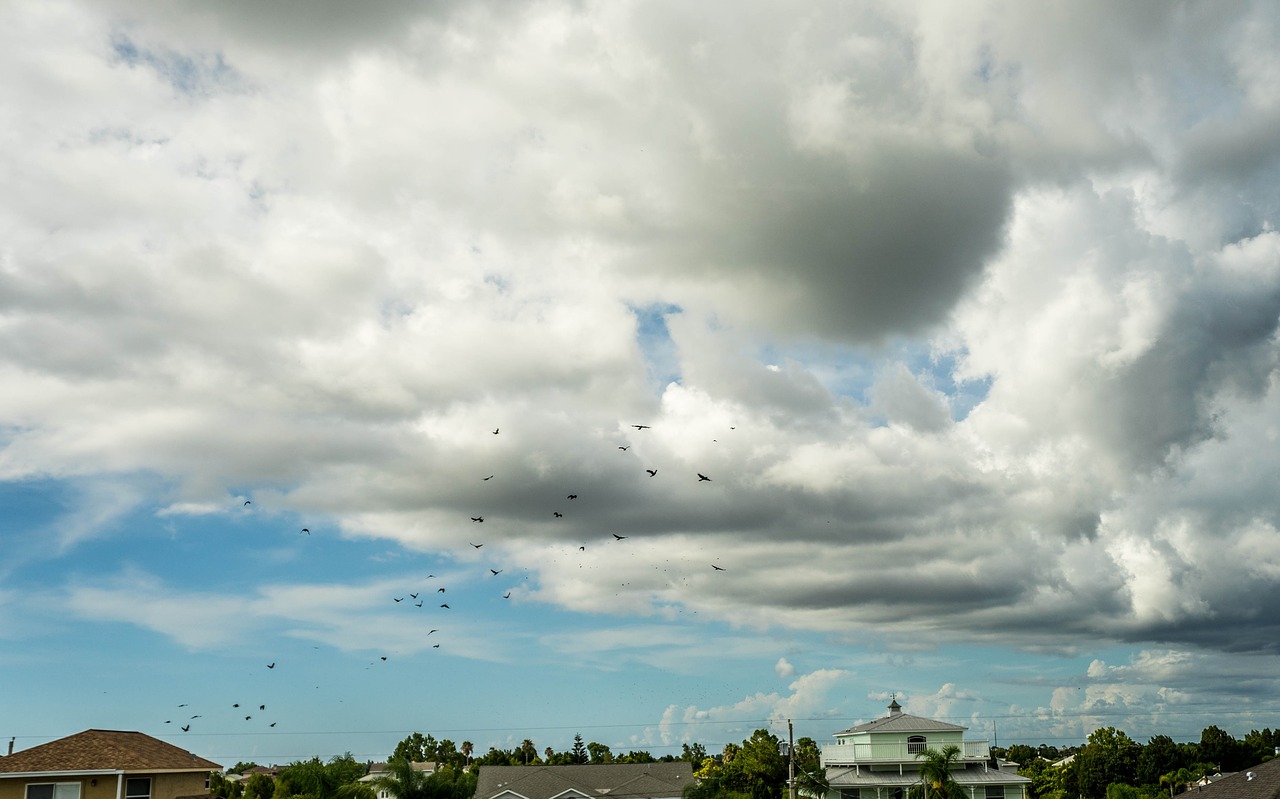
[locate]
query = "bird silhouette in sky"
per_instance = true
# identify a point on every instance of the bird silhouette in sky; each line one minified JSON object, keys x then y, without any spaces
{"x":246,"y":718}
{"x":507,"y":595}
{"x":620,"y":537}
{"x":624,"y":449}
{"x":495,"y":431}
{"x":640,"y":426}
{"x":305,"y":530}
{"x":477,"y":546}
{"x":651,"y":472}
{"x":702,"y":478}
{"x":272,"y":724}
{"x":435,"y":646}
{"x":237,"y":704}
{"x":414,"y":596}
{"x":718,"y":568}
{"x":439,"y":590}
{"x":262,"y":707}
{"x":557,"y":514}
{"x":417,"y":604}
{"x":246,"y":503}
{"x":582,"y":549}
{"x":496,"y":572}
{"x":432,"y":631}
{"x":572,"y":496}
{"x":477,"y":518}
{"x":186,"y":727}
{"x":398,"y":598}
{"x":271,"y":665}
{"x":384,"y":657}
{"x":444,"y":604}
{"x":490,"y":477}
{"x":184,"y":704}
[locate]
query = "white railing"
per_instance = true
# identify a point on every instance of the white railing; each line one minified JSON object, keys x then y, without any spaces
{"x":895,"y":751}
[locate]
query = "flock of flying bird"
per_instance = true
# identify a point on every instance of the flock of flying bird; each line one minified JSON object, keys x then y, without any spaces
{"x":416,"y":598}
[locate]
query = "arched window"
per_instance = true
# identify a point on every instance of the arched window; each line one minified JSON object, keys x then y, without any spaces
{"x":915,"y":744}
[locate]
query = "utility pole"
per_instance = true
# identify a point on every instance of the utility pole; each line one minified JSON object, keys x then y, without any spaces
{"x":791,"y":762}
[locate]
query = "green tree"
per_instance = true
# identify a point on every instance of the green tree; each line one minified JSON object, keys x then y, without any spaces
{"x":758,"y":769}
{"x":1261,"y":745}
{"x":402,"y":780}
{"x":447,"y":754}
{"x":528,"y":753}
{"x":810,"y":776}
{"x":599,"y":753}
{"x":242,"y":767}
{"x":259,"y":786}
{"x":579,"y":751}
{"x":467,"y":749}
{"x":692,"y":753}
{"x":1160,"y":756}
{"x":412,"y":748}
{"x":306,"y":778}
{"x":1109,"y":757}
{"x":1218,"y":747}
{"x":224,"y":788}
{"x":936,"y":781}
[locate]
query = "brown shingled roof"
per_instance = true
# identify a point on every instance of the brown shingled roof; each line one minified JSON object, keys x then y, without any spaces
{"x":93,"y":750}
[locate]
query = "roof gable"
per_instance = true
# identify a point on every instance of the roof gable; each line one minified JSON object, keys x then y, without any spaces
{"x":104,"y":749}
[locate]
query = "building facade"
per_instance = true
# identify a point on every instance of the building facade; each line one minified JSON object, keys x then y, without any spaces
{"x":881,"y":760}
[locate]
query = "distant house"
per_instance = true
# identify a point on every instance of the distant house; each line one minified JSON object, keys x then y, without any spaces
{"x":377,"y":770}
{"x":1259,"y":782}
{"x":880,"y":760}
{"x":105,"y":764}
{"x":615,"y":780}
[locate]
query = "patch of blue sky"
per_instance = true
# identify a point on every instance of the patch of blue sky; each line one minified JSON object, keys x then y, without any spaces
{"x":850,"y":373}
{"x":654,"y":340}
{"x":937,"y":370}
{"x":845,"y":372}
{"x":190,"y":75}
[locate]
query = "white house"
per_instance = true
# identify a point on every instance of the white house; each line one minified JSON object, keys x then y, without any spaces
{"x":879,"y":760}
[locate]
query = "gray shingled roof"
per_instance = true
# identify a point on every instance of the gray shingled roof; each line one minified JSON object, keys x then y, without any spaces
{"x":903,"y":722}
{"x":94,"y":750}
{"x":1264,"y":785}
{"x":629,"y":780}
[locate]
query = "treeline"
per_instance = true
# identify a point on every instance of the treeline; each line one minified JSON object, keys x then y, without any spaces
{"x":340,"y":778}
{"x":1111,"y":765}
{"x":420,"y":748}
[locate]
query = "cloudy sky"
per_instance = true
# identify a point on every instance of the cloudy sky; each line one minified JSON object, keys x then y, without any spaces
{"x":968,"y":310}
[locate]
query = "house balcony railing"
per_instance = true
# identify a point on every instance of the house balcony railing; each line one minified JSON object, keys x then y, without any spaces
{"x":894,"y":752}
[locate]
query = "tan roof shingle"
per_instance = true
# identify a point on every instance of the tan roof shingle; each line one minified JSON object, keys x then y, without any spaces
{"x":105,"y":749}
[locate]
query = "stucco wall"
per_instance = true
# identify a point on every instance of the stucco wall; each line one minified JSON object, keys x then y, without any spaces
{"x":163,"y":786}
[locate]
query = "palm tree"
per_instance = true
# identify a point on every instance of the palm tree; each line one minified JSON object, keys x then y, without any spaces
{"x":935,"y":774}
{"x":467,"y":749}
{"x":402,"y":780}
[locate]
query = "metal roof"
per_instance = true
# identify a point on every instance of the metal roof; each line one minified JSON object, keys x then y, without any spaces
{"x":903,"y":722}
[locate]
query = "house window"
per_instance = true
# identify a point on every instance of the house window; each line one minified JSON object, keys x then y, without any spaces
{"x":995,"y":792}
{"x":137,"y":788}
{"x":53,"y":790}
{"x":915,"y":744}
{"x":850,"y":793}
